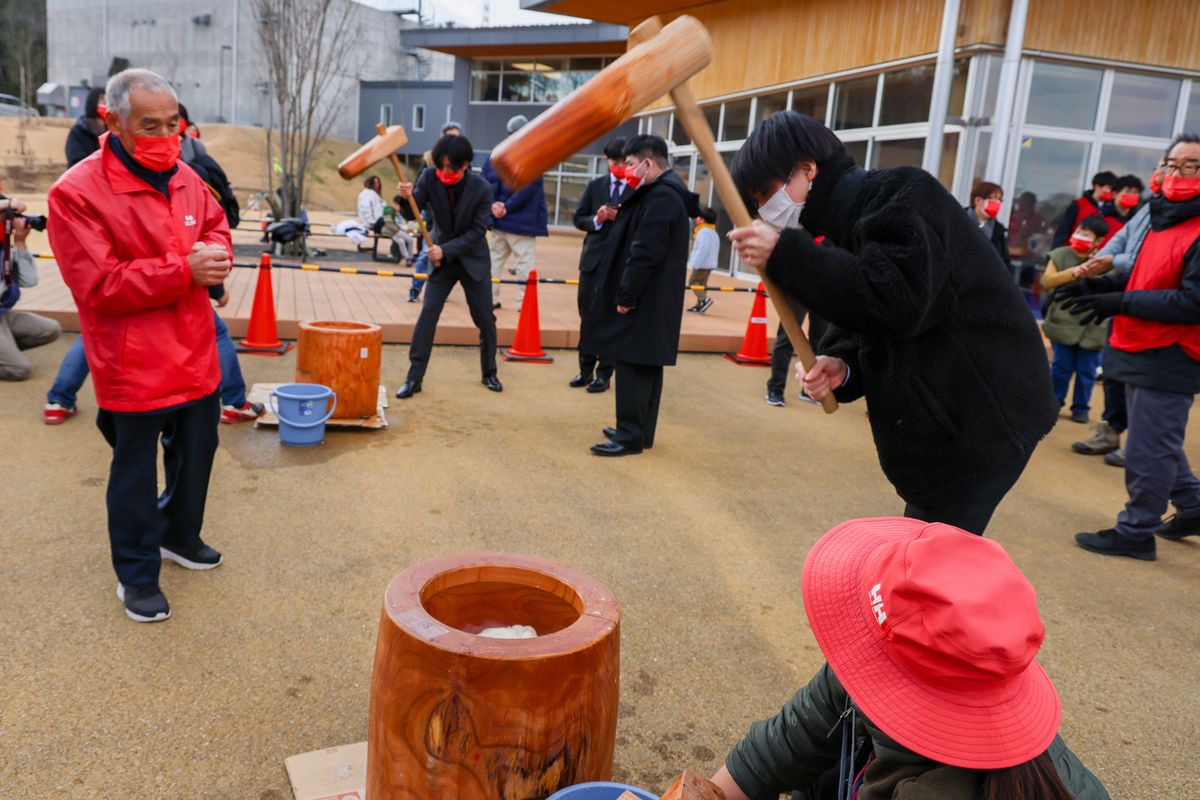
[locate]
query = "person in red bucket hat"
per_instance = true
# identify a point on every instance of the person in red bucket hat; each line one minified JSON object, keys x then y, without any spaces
{"x":931,"y":689}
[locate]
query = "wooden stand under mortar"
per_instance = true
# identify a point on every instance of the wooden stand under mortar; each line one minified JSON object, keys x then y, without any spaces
{"x":457,"y":715}
{"x":345,"y":356}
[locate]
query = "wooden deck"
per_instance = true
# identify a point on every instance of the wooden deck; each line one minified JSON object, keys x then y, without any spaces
{"x":306,"y":295}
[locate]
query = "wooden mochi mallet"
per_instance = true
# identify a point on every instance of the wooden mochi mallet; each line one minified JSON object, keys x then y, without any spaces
{"x":660,"y":60}
{"x":688,"y":112}
{"x":386,"y":142}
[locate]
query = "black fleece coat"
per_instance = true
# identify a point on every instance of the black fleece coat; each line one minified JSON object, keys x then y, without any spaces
{"x":937,"y":337}
{"x":461,"y":231}
{"x":644,"y":267}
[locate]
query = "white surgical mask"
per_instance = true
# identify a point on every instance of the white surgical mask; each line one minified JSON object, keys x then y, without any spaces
{"x":781,"y":211}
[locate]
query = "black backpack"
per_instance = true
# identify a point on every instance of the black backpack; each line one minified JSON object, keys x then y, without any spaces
{"x":214,"y":177}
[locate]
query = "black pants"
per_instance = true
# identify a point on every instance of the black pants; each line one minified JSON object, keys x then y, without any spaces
{"x":479,"y":303}
{"x":590,"y":363}
{"x":782,"y":351}
{"x":140,"y":519}
{"x":639,"y":389}
{"x":1116,"y":413}
{"x":971,"y":509}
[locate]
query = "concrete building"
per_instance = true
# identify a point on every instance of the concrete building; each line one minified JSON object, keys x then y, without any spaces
{"x":209,"y":50}
{"x":1035,"y":96}
{"x":497,"y":74}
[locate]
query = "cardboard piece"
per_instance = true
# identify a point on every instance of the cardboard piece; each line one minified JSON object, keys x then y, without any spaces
{"x":336,"y":773}
{"x":260,"y":391}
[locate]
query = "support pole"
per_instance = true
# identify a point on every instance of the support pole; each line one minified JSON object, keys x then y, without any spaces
{"x":1006,"y":96}
{"x":943,"y":79}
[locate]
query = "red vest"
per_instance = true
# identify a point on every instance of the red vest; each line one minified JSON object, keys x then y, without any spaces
{"x":1086,"y":209}
{"x":1114,"y":224}
{"x":1159,"y":265}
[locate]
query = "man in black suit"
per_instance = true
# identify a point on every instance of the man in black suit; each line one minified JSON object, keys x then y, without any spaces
{"x":461,"y":205}
{"x":596,"y":216}
{"x":635,"y":313}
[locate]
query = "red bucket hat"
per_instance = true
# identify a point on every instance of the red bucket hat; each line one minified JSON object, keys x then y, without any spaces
{"x":933,"y":631}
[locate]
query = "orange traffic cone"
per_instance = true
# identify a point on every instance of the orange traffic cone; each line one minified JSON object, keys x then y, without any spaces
{"x":261,"y":336}
{"x":527,"y":346}
{"x":754,"y":344}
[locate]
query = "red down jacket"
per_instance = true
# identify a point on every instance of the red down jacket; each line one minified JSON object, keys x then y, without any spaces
{"x":122,"y":249}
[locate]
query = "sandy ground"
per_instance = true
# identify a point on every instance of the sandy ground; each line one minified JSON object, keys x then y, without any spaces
{"x":701,"y":539}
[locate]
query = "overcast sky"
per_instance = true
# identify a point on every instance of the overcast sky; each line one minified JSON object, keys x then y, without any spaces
{"x":470,"y":12}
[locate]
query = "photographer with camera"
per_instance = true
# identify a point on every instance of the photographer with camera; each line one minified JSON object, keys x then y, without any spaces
{"x":19,"y":330}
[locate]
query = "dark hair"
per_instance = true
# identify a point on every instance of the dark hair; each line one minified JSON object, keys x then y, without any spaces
{"x":1034,"y":780}
{"x":183,"y":113}
{"x":1027,"y":196}
{"x":776,"y":146}
{"x":985,"y":189}
{"x":615,"y":148}
{"x":1129,"y":182}
{"x":370,"y":181}
{"x":708,"y":215}
{"x":1183,"y":138}
{"x":1104,"y":178}
{"x":1096,"y":225}
{"x":457,"y":148}
{"x":93,"y":99}
{"x":647,"y":145}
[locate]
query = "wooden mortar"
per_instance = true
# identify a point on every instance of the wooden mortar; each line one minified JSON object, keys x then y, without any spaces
{"x":346,"y":357}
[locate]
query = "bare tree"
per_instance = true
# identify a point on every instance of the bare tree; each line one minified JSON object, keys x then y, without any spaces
{"x":310,"y":48}
{"x":22,"y":47}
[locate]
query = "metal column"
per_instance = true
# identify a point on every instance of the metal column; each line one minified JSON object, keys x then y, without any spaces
{"x":943,"y":79}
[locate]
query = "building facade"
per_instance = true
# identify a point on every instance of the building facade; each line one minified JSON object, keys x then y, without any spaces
{"x":210,"y":52}
{"x":499,"y":73}
{"x":1095,"y":85}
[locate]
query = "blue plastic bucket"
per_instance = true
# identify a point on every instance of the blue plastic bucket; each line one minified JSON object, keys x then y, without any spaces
{"x":599,"y":791}
{"x":300,"y":408}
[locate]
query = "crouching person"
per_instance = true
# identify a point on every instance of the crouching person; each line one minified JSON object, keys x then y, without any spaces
{"x":19,"y":330}
{"x":908,"y":706}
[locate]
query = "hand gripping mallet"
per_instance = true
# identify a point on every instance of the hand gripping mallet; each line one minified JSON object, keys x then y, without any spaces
{"x":688,"y":112}
{"x":660,"y":60}
{"x":385,"y":144}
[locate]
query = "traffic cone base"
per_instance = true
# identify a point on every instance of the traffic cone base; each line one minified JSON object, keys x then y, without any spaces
{"x":261,"y":335}
{"x":527,"y":344}
{"x":753,"y":352}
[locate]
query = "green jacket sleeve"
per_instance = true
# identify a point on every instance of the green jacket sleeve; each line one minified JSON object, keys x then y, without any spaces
{"x":791,"y":749}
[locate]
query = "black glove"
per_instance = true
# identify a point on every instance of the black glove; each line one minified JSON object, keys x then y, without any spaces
{"x":1095,"y":307}
{"x":1093,"y":285}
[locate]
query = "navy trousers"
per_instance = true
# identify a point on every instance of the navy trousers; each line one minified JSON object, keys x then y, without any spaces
{"x":1156,"y":469}
{"x":139,"y":518}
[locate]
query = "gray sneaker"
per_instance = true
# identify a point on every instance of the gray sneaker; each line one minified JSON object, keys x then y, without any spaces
{"x":1116,"y":458}
{"x":144,"y":603}
{"x":1103,"y":440}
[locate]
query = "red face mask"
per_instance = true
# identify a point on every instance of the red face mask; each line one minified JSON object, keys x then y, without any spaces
{"x":101,"y":110}
{"x":1128,"y":199}
{"x":1180,"y":189}
{"x":618,"y":171}
{"x":1104,"y":195}
{"x":157,"y":153}
{"x":991,"y":208}
{"x":449,"y":177}
{"x":1156,"y":183}
{"x":1081,"y":244}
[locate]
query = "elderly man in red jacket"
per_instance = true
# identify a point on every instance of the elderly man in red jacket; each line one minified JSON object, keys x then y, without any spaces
{"x":139,"y":239}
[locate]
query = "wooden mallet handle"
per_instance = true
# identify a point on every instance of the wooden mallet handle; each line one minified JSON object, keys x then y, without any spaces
{"x":688,"y":112}
{"x":412,"y":202}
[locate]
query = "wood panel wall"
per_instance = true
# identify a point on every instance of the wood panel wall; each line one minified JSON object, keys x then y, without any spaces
{"x":1164,"y":33}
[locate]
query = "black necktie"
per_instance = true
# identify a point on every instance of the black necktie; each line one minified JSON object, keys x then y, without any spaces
{"x":616,"y":193}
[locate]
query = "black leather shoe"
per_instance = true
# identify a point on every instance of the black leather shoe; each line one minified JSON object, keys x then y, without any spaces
{"x":1110,"y":543}
{"x":492,"y":383}
{"x":408,"y":389}
{"x":611,"y":433}
{"x":613,"y":449}
{"x":580,"y":381}
{"x":597,"y":386}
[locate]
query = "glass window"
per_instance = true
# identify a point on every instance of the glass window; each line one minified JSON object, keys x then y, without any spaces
{"x":737,"y":120}
{"x":769,"y":104}
{"x":906,"y":96}
{"x":657,"y":124}
{"x":703,"y":185}
{"x":1143,"y":105}
{"x":570,"y":192}
{"x":981,"y":157}
{"x":485,"y":86}
{"x":1123,"y":160}
{"x":550,"y":87}
{"x":517,"y":87}
{"x":1053,"y":170}
{"x":854,"y":103}
{"x":724,"y":223}
{"x":385,"y":114}
{"x":813,"y":101}
{"x":1191,"y":121}
{"x":418,"y":118}
{"x":683,"y":168}
{"x":587,"y":64}
{"x":678,"y":135}
{"x":487,"y":65}
{"x":958,"y":89}
{"x":712,"y":114}
{"x":1063,"y":96}
{"x":898,"y":153}
{"x":857,"y":151}
{"x":579,"y":164}
{"x":991,"y":84}
{"x":949,"y":159}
